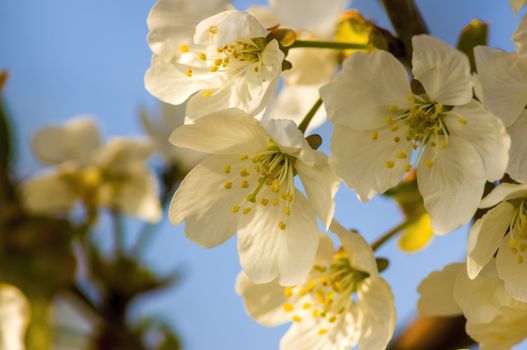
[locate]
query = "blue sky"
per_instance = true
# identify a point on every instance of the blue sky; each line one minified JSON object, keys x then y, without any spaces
{"x":72,"y":57}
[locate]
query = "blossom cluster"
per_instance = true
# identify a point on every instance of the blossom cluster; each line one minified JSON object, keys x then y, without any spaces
{"x":260,"y":177}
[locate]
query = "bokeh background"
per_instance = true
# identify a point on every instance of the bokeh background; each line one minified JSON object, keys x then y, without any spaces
{"x":73,"y":57}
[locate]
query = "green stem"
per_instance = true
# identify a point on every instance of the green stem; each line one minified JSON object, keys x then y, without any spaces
{"x":328,"y":45}
{"x":386,"y":236}
{"x":307,"y":119}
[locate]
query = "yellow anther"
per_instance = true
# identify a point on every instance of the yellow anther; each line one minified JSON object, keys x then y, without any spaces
{"x":227,"y":169}
{"x":322,"y":331}
{"x":444,"y":144}
{"x":306,"y":306}
{"x":213,"y":29}
{"x":408,"y":167}
{"x":264,"y":201}
{"x":251,"y":198}
{"x":513,"y":250}
{"x":438,"y":108}
{"x":392,"y":109}
{"x":228,"y":185}
{"x":214,"y":69}
{"x":429,"y":163}
{"x":246,"y":211}
{"x":289,"y":197}
{"x":244,"y":157}
{"x":283,"y":196}
{"x":288,"y":307}
{"x":519,"y":259}
{"x":523,"y":247}
{"x":244,"y":173}
{"x":462,"y":121}
{"x":410,"y":97}
{"x":389,"y":120}
{"x":433,"y":144}
{"x":275,"y":202}
{"x":257,"y":168}
{"x":316,"y":313}
{"x":245,"y":184}
{"x":275,"y":187}
{"x":402,"y":155}
{"x":389,"y":164}
{"x":394,"y":128}
{"x":408,"y":138}
{"x":288,"y":292}
{"x":189,"y":72}
{"x":207,"y":93}
{"x":235,"y":209}
{"x":183,"y":48}
{"x":396,"y":139}
{"x":296,"y":318}
{"x":332,"y":319}
{"x":287,"y":211}
{"x":374,"y":135}
{"x":202,"y":56}
{"x":282,"y":225}
{"x":218,"y":62}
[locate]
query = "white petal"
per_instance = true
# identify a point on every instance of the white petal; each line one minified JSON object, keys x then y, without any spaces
{"x":517,"y":168}
{"x":230,"y":26}
{"x":520,"y":35}
{"x":14,"y":318}
{"x":325,"y":251}
{"x":265,"y":15}
{"x":485,"y":132}
{"x":290,"y":140}
{"x":436,"y":292}
{"x":122,"y":154}
{"x":48,"y":193}
{"x":172,"y":22}
{"x":443,"y":71}
{"x":321,"y":185}
{"x":168,"y":81}
{"x":311,"y":67}
{"x":202,"y":201}
{"x":377,"y":305}
{"x":360,"y":94}
{"x":512,"y":271}
{"x":263,"y":302}
{"x":481,"y":299}
{"x":362,"y":162}
{"x":453,"y":186}
{"x":503,"y":79}
{"x":267,"y":252}
{"x":503,"y":192}
{"x":229,"y":131}
{"x":293,"y":102}
{"x":486,"y":235}
{"x":316,"y":16}
{"x":76,"y":140}
{"x":359,"y":251}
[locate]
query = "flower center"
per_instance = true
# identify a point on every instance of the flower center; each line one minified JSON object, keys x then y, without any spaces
{"x":328,"y":293}
{"x":518,"y":231}
{"x":267,"y":178}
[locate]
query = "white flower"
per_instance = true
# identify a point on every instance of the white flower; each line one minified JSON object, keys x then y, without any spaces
{"x":228,"y":62}
{"x":381,"y":128}
{"x":247,"y":185}
{"x":324,"y":313}
{"x":503,"y":80}
{"x":113,"y":176}
{"x":517,"y":5}
{"x":494,"y":319}
{"x":14,"y":318}
{"x":502,"y":229}
{"x":159,"y":130}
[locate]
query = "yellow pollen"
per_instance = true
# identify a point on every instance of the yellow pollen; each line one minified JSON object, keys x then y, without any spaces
{"x":246,"y":211}
{"x":296,"y":318}
{"x":207,"y":93}
{"x":264,"y":201}
{"x":213,"y":69}
{"x":402,"y":155}
{"x":306,"y":306}
{"x":275,"y":186}
{"x":202,"y":56}
{"x":251,"y":198}
{"x":287,"y":211}
{"x":332,"y":319}
{"x":288,"y":292}
{"x":289,"y":197}
{"x":213,"y":29}
{"x":228,"y":185}
{"x":316,"y":313}
{"x":389,"y":120}
{"x":189,"y":72}
{"x":244,"y":173}
{"x":410,"y":97}
{"x":288,"y":307}
{"x":396,"y":139}
{"x":282,"y":225}
{"x":394,"y":128}
{"x":408,"y":167}
{"x":389,"y":164}
{"x":218,"y":62}
{"x":429,"y":163}
{"x":183,"y":48}
{"x":244,"y":157}
{"x":374,"y":135}
{"x":283,"y":196}
{"x":245,"y":184}
{"x":322,"y":331}
{"x":432,"y":143}
{"x":302,"y":292}
{"x":227,"y":169}
{"x":513,"y":250}
{"x":235,"y":209}
{"x":462,"y":121}
{"x":275,"y":202}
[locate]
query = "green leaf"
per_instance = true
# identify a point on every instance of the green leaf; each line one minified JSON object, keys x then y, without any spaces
{"x":475,"y":33}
